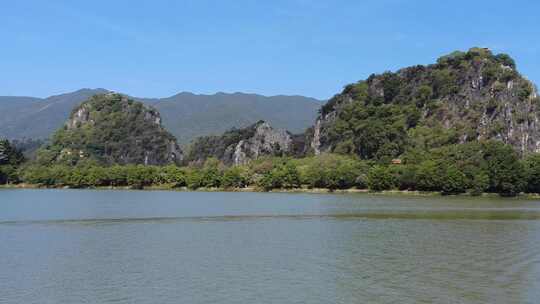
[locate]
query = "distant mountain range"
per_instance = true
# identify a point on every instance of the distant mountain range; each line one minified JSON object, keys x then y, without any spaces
{"x":185,"y":115}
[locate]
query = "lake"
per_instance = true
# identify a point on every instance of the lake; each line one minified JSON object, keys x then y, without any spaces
{"x":85,"y":246}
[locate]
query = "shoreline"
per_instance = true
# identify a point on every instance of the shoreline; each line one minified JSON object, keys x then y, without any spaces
{"x":255,"y":190}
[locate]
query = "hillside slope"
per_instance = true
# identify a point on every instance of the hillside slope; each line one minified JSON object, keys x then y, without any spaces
{"x":464,"y":97}
{"x":188,"y":115}
{"x":29,"y":117}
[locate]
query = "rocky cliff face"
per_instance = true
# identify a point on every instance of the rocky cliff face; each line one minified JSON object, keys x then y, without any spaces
{"x":113,"y":129}
{"x":239,"y":146}
{"x":465,"y":96}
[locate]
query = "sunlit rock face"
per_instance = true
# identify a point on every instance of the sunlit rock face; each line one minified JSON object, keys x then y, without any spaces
{"x":473,"y":95}
{"x":239,"y":146}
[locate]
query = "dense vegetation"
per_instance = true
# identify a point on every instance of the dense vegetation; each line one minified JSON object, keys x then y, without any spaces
{"x":28,"y":146}
{"x":10,"y":159}
{"x":111,"y":129}
{"x":464,"y":97}
{"x":205,"y":147}
{"x":472,"y":168}
{"x":467,"y":124}
{"x":239,"y":146}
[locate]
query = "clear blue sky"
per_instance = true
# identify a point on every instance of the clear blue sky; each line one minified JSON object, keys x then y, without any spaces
{"x":159,"y":48}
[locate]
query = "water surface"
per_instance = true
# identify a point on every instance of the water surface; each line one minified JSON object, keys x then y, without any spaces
{"x":79,"y":246}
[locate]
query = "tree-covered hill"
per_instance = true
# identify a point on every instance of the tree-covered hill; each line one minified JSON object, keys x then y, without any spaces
{"x":112,"y":129}
{"x":464,"y":97}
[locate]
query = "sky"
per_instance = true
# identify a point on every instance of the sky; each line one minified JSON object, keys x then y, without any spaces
{"x":294,"y":47}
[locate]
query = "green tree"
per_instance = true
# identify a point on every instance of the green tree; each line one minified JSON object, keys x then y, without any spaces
{"x":194,"y":179}
{"x":234,"y":177}
{"x":283,"y":175}
{"x":429,"y":176}
{"x":118,"y":175}
{"x":8,"y":174}
{"x":480,"y":183}
{"x":380,"y":178}
{"x":287,"y":176}
{"x":10,"y":159}
{"x":139,"y":176}
{"x":211,"y":173}
{"x":423,"y":95}
{"x":506,"y":60}
{"x":173,"y":175}
{"x":453,"y":181}
{"x":505,"y":171}
{"x":532,"y":170}
{"x":406,"y":177}
{"x":333,"y":171}
{"x":9,"y":155}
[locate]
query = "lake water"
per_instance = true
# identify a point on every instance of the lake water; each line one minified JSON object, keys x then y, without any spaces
{"x":78,"y":246}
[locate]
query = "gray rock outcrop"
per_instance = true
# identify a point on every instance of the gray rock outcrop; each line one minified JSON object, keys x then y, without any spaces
{"x":476,"y":94}
{"x":239,"y":146}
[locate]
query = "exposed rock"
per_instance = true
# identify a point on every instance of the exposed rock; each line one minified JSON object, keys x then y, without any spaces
{"x":113,"y":129}
{"x":239,"y":146}
{"x":476,"y":94}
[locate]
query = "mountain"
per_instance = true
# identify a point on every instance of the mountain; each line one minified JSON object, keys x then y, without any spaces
{"x":186,"y":115}
{"x":464,"y":97}
{"x":30,"y":117}
{"x":112,"y":129}
{"x":239,"y":146}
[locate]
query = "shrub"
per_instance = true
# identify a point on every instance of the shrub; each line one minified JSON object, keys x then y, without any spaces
{"x":283,"y":175}
{"x":506,"y":60}
{"x":333,"y":171}
{"x":234,"y":177}
{"x":506,"y":174}
{"x":532,"y":170}
{"x":194,"y":179}
{"x":429,"y":176}
{"x":406,"y":177}
{"x":480,"y":183}
{"x":453,"y":181}
{"x":211,"y":173}
{"x":380,"y":178}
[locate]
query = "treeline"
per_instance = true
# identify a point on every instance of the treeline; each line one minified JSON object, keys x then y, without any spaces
{"x":473,"y":168}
